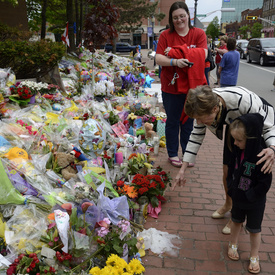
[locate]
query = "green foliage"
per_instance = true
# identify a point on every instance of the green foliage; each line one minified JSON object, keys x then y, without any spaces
{"x":256,"y":30}
{"x":132,"y":12}
{"x":55,"y":14}
{"x":30,"y":59}
{"x":244,"y":31}
{"x":12,"y":33}
{"x":14,"y":2}
{"x":99,"y":24}
{"x":213,"y":28}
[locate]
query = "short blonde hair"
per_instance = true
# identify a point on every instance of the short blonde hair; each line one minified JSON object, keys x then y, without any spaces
{"x":200,"y":101}
{"x":224,"y":38}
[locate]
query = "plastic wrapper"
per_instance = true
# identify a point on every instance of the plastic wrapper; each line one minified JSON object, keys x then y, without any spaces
{"x":62,"y":222}
{"x":8,"y":194}
{"x":25,"y":228}
{"x":112,"y":208}
{"x":92,"y":138}
{"x":21,"y":184}
{"x":7,"y":77}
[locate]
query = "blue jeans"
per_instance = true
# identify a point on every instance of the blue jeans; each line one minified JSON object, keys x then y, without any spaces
{"x":173,"y":105}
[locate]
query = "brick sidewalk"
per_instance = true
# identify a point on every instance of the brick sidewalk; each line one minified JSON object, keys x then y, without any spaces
{"x":187,"y":213}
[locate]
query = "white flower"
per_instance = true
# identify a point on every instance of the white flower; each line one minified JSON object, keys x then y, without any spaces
{"x":100,"y":88}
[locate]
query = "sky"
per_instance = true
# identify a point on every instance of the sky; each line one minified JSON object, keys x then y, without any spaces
{"x":206,"y":6}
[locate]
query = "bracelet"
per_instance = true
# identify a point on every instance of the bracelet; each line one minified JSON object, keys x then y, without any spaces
{"x":272,"y":149}
{"x":171,"y":61}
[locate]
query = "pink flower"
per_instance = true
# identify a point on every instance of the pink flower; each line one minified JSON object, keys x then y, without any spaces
{"x":102,"y":232}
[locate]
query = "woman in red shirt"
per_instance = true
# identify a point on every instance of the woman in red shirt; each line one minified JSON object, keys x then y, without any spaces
{"x":219,"y":53}
{"x":175,"y":80}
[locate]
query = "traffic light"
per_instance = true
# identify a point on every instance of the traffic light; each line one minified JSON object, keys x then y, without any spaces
{"x":251,"y":17}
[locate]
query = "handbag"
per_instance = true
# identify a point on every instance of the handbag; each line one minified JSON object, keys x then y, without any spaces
{"x":212,"y":65}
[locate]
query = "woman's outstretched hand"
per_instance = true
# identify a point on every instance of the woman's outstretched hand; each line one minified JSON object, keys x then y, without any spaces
{"x":267,"y":155}
{"x":180,"y":180}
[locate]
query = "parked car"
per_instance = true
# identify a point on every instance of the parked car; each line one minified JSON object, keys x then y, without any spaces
{"x":261,"y":50}
{"x":120,"y":47}
{"x":241,"y":47}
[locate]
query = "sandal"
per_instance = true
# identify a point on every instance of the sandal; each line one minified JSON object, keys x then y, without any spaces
{"x":254,"y":263}
{"x":232,"y":252}
{"x":175,"y":163}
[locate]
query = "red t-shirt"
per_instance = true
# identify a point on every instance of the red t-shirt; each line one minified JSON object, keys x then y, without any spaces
{"x":219,"y":56}
{"x":195,"y":38}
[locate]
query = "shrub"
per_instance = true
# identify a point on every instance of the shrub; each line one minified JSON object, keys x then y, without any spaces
{"x":30,"y":59}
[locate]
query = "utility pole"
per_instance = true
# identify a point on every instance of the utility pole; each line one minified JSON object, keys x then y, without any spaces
{"x":195,"y":13}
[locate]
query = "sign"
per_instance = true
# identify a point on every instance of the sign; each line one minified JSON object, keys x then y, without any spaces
{"x":251,"y":17}
{"x":149,"y":31}
{"x":226,"y":1}
{"x":201,"y":15}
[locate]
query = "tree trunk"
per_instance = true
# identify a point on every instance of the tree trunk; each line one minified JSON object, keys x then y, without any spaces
{"x":80,"y":21}
{"x":77,"y":22}
{"x":70,"y":18}
{"x":43,"y":19}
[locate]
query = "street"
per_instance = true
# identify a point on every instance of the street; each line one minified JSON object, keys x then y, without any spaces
{"x":256,"y":78}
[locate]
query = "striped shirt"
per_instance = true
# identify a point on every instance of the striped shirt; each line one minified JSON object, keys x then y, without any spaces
{"x":239,"y":101}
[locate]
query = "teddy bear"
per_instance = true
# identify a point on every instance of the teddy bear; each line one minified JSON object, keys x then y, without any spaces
{"x":149,"y":132}
{"x":66,"y":163}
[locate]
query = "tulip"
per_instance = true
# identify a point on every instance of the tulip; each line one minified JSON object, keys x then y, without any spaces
{"x":67,"y":206}
{"x":85,"y":206}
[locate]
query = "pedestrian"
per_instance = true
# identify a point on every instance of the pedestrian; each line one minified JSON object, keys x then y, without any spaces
{"x":214,"y":108}
{"x":137,"y":54}
{"x":208,"y":59}
{"x":155,"y":46}
{"x":219,"y":53}
{"x":178,"y":76}
{"x":229,"y":65}
{"x":247,"y":184}
{"x":273,"y":90}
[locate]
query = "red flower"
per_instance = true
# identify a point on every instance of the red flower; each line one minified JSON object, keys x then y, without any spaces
{"x":142,"y":190}
{"x":24,"y":93}
{"x":120,"y":183}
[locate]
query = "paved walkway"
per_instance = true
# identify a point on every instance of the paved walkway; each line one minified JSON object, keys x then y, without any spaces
{"x":187,"y":213}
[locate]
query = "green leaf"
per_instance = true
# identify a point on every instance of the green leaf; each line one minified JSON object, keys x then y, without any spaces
{"x":154,"y":201}
{"x":118,"y":249}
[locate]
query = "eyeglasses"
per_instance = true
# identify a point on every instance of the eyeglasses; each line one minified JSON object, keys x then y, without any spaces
{"x":176,"y":18}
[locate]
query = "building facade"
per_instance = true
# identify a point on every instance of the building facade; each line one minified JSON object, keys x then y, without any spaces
{"x":239,"y":5}
{"x":268,"y":18}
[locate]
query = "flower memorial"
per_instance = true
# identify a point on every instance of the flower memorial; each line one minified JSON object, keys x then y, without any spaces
{"x":77,"y":174}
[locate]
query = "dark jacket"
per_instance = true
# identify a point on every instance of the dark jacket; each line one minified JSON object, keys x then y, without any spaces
{"x":247,"y":185}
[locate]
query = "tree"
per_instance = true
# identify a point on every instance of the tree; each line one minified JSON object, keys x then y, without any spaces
{"x":256,"y":30}
{"x":244,"y":31}
{"x":99,"y":23}
{"x":213,"y":28}
{"x":14,"y":2}
{"x":132,"y":12}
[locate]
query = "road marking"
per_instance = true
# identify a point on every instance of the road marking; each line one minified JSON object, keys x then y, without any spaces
{"x":256,"y":66}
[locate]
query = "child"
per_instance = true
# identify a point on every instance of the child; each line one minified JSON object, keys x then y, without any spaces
{"x":247,"y":185}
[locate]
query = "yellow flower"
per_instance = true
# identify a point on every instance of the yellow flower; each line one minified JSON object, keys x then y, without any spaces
{"x":132,"y":116}
{"x":95,"y":271}
{"x":135,"y":267}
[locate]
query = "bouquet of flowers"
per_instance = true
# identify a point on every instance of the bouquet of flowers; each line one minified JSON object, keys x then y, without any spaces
{"x":150,"y":186}
{"x":116,"y":265}
{"x":115,"y":239}
{"x":29,"y":264}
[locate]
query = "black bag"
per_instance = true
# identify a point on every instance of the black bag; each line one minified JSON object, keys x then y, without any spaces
{"x":212,"y":65}
{"x":210,"y":59}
